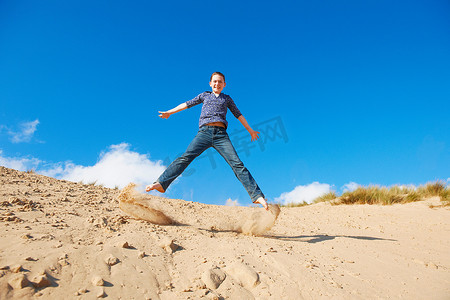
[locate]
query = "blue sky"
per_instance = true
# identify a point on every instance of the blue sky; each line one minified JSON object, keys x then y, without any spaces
{"x":361,"y":88}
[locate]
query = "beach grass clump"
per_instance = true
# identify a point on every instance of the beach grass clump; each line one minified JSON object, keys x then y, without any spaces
{"x":380,"y":195}
{"x":396,"y":194}
{"x":413,"y":196}
{"x":327,"y":197}
{"x":375,"y":194}
{"x":445,"y":197}
{"x":299,"y":204}
{"x":367,"y":195}
{"x":432,"y":189}
{"x":445,"y":194}
{"x":401,"y":189}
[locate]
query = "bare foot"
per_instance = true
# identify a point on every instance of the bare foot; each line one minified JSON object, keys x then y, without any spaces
{"x":155,"y":186}
{"x":263,"y":202}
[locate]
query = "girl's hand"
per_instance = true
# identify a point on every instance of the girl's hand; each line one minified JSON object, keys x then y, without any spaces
{"x":254,"y":135}
{"x":164,"y":114}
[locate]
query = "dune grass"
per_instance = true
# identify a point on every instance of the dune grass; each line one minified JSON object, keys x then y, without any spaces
{"x":304,"y":203}
{"x":386,"y":195}
{"x":437,"y":188}
{"x":445,"y":197}
{"x":327,"y":197}
{"x":395,"y":194}
{"x":378,"y":195}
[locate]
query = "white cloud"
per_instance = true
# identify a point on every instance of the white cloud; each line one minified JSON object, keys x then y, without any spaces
{"x":350,"y":187}
{"x":25,"y":133}
{"x":19,"y":163}
{"x":406,"y":186}
{"x":116,"y":167}
{"x":305,"y":193}
{"x":231,"y":202}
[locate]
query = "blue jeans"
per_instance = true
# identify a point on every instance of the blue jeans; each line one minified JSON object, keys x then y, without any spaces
{"x":216,"y":137}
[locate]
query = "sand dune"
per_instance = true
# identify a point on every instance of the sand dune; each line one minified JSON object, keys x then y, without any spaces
{"x":65,"y":240}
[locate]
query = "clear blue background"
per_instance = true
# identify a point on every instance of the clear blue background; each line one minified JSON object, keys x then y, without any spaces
{"x":362,"y":87}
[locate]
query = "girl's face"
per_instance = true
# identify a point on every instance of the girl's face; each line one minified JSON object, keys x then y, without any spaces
{"x":217,"y":84}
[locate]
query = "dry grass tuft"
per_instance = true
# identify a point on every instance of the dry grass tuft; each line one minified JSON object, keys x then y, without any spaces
{"x":437,"y":188}
{"x":413,"y":196}
{"x":327,"y":197}
{"x":445,"y":197}
{"x":396,"y":194}
{"x":373,"y":195}
{"x":385,"y":195}
{"x":432,"y":189}
{"x":304,"y":203}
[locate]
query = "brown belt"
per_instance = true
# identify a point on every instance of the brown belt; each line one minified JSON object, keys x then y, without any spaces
{"x":220,"y":124}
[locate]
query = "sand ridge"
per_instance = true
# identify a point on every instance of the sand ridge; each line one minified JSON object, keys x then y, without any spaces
{"x":68,"y":240}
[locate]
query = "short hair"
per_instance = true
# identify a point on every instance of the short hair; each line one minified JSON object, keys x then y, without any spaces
{"x":217,"y":73}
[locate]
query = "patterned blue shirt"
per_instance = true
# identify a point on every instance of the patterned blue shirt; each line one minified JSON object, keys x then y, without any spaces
{"x":214,"y":108}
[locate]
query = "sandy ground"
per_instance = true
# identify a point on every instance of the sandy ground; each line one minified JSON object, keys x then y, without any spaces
{"x":65,"y":240}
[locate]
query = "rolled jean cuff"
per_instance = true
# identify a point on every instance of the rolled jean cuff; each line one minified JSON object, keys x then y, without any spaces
{"x":256,"y":198}
{"x":164,"y":185}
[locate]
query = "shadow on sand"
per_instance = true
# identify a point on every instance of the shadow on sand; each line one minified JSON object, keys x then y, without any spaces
{"x":323,"y":237}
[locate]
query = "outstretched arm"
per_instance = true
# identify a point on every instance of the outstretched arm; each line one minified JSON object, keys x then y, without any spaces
{"x":166,"y":114}
{"x":252,"y":132}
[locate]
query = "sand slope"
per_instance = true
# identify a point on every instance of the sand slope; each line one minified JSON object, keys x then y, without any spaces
{"x":60,"y":239}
